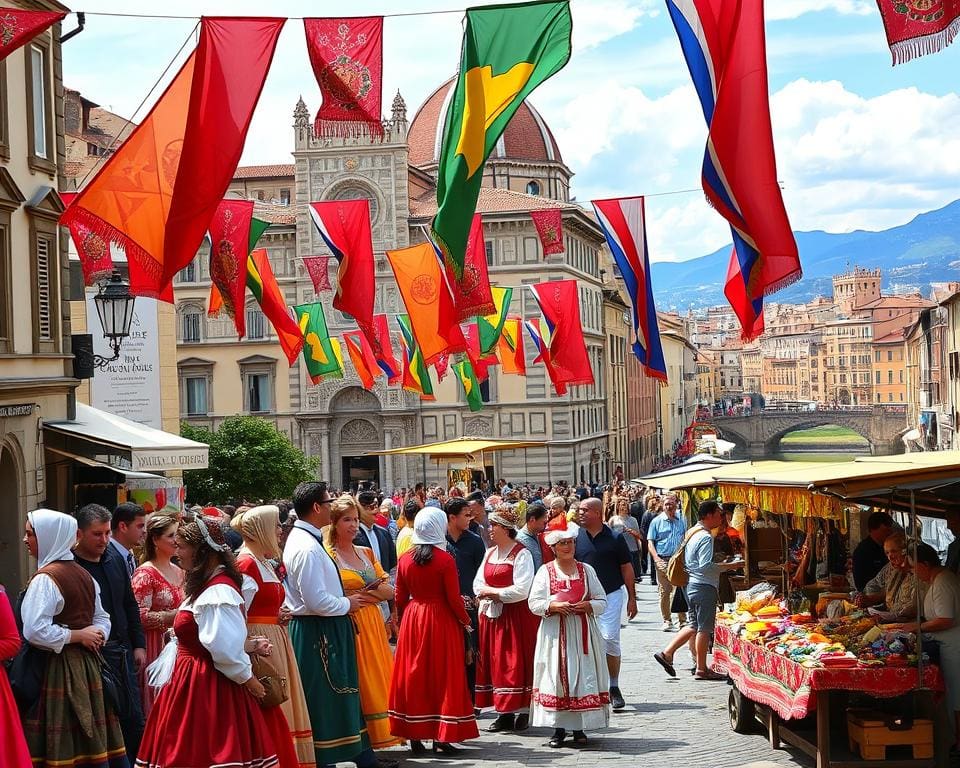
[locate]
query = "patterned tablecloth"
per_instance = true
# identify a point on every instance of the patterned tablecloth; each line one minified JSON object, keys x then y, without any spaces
{"x":789,"y":689}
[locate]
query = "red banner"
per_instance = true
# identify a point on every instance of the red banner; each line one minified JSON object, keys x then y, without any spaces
{"x":19,"y":27}
{"x":560,"y":304}
{"x":918,"y":27}
{"x":94,"y":251}
{"x":319,"y":274}
{"x":471,"y":293}
{"x":347,"y":59}
{"x":549,"y":226}
{"x":229,"y":247}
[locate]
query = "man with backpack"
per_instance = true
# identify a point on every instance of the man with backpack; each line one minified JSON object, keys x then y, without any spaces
{"x":664,"y":536}
{"x":693,"y":570}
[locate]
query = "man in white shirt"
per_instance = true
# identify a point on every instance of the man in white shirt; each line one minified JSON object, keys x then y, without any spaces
{"x":323,"y":636}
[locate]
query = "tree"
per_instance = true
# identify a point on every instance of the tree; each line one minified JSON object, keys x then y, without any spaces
{"x":249,"y":459}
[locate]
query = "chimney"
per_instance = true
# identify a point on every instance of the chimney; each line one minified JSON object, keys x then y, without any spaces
{"x":72,"y":113}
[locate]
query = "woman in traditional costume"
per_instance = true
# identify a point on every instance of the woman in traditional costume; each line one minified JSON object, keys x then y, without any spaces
{"x":429,"y":698}
{"x":570,"y":679}
{"x":508,"y":630}
{"x":259,"y":562}
{"x":70,"y":726}
{"x":361,"y":572}
{"x":11,"y":733}
{"x":207,"y":713}
{"x":158,"y":588}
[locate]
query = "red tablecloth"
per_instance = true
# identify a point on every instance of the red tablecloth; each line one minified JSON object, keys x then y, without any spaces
{"x":789,"y":689}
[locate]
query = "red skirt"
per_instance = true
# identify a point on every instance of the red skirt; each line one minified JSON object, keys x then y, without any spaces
{"x":11,"y":732}
{"x":505,"y":661}
{"x":201,"y":719}
{"x":429,"y":698}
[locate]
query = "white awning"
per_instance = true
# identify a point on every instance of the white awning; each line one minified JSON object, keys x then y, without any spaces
{"x":145,"y":449}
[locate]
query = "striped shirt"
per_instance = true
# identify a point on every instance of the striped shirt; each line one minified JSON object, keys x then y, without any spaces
{"x":667,"y":533}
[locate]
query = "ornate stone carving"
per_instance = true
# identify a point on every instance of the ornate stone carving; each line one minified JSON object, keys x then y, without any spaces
{"x":478,"y":426}
{"x":351,"y":398}
{"x":359,"y":431}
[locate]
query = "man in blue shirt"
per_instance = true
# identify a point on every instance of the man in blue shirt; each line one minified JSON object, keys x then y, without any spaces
{"x":663,"y":539}
{"x":701,"y":593}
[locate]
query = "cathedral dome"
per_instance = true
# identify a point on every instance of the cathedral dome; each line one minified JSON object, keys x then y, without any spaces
{"x":527,"y":138}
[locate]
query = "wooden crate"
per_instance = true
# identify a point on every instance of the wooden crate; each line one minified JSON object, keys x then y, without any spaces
{"x":872,"y":733}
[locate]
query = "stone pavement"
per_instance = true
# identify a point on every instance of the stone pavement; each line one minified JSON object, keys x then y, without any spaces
{"x":668,"y":723}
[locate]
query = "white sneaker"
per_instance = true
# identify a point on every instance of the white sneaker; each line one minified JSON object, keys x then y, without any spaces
{"x":668,"y":626}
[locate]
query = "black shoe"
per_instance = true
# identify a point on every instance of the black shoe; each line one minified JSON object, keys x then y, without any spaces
{"x":502,"y":723}
{"x":445,"y":748}
{"x":580,"y":738}
{"x":556,"y":741}
{"x":523,"y":722}
{"x":417,"y":747}
{"x":616,"y":698}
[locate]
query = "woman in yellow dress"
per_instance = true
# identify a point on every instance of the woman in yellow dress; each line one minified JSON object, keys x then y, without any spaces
{"x":360,"y":571}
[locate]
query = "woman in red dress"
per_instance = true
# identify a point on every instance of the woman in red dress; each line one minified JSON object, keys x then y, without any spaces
{"x":207,"y":714}
{"x":11,"y":734}
{"x":508,"y":630}
{"x":158,"y":588}
{"x":429,"y":698}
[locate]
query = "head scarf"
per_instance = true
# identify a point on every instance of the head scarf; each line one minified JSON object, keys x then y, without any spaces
{"x":205,"y":530}
{"x":430,"y":527}
{"x":56,"y":535}
{"x":554,"y":537}
{"x":505,"y":516}
{"x":259,"y":525}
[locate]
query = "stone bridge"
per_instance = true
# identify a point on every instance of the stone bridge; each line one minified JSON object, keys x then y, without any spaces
{"x":758,"y":434}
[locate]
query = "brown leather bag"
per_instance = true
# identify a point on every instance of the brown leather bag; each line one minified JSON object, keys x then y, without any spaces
{"x":272,"y":678}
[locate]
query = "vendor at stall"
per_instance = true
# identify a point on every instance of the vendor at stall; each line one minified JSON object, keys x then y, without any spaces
{"x":895,"y":586}
{"x":869,"y":557}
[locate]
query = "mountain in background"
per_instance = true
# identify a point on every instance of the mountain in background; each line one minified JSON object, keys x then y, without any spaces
{"x":912,"y":256}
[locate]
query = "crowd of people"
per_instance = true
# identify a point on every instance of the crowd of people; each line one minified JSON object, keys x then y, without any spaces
{"x":332,"y":626}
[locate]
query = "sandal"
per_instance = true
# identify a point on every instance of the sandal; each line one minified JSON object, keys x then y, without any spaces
{"x":668,"y":666}
{"x":708,"y":674}
{"x":580,"y":738}
{"x":556,"y":741}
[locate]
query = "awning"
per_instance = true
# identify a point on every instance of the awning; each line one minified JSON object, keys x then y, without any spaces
{"x":126,"y":473}
{"x":704,"y":477}
{"x":125,"y":444}
{"x":463,"y":447}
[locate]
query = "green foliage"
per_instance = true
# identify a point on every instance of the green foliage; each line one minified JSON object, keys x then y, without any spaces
{"x":249,"y":460}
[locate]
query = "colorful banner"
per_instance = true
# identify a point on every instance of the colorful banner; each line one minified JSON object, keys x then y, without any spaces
{"x":263,"y":285}
{"x":549,"y":224}
{"x":471,"y":291}
{"x":559,"y":302}
{"x":321,"y":358}
{"x":94,"y":252}
{"x":19,"y":27}
{"x":491,"y":326}
{"x":318,"y":269}
{"x":918,"y":27}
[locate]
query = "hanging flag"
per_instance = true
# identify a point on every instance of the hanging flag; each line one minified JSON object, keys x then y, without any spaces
{"x":416,"y":375}
{"x":481,"y":362}
{"x":510,"y":348}
{"x":347,"y":59}
{"x":623,"y":221}
{"x":362,"y":357}
{"x":18,"y":27}
{"x":94,"y":252}
{"x":263,"y":285}
{"x":471,"y":387}
{"x":725,"y":51}
{"x":918,"y":27}
{"x":383,"y":350}
{"x":317,"y":268}
{"x":508,"y":50}
{"x":432,"y":315}
{"x":491,"y":326}
{"x":344,"y":226}
{"x":549,"y":224}
{"x":318,"y":349}
{"x":441,"y":366}
{"x":749,"y":312}
{"x":229,"y":248}
{"x":541,"y":340}
{"x":156,"y":195}
{"x":471,"y":291}
{"x":560,"y":304}
{"x":215,"y":304}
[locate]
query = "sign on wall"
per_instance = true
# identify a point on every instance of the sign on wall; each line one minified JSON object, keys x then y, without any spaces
{"x":129,"y":386}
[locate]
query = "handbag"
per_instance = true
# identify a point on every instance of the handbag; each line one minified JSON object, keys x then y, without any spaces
{"x":113,"y":665}
{"x":273,"y":680}
{"x":26,"y":671}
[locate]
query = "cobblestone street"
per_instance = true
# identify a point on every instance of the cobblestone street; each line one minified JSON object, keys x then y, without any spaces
{"x":676,"y":723}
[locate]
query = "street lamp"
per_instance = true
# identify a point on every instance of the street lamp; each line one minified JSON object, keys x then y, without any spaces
{"x":115,"y":309}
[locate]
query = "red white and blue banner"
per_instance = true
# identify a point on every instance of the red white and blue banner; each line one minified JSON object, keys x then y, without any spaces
{"x":725,"y":50}
{"x":624,"y":224}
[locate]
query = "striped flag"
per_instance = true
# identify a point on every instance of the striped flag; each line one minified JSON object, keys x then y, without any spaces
{"x":361,"y":355}
{"x":320,"y":353}
{"x":623,"y":221}
{"x":510,"y":347}
{"x":471,"y":386}
{"x":416,"y":375}
{"x":263,"y":285}
{"x":537,"y":329}
{"x":491,"y":326}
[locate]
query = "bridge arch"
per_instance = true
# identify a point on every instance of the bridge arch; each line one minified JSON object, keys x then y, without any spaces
{"x":773,"y":444}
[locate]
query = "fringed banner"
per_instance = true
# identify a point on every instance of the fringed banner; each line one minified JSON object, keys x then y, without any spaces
{"x":549,"y":226}
{"x":94,"y":252}
{"x":347,"y":59}
{"x":471,"y":292}
{"x":18,"y":27}
{"x":917,"y":27}
{"x":229,"y":247}
{"x":319,"y":273}
{"x":441,"y":366}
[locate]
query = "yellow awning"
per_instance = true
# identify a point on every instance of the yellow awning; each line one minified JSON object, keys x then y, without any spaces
{"x":702,"y":478}
{"x":459,"y":448}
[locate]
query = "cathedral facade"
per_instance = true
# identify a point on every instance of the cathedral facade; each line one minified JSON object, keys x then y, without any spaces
{"x":338,"y":421}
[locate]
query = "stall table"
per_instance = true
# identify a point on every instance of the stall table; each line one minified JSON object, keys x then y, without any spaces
{"x":789,"y":691}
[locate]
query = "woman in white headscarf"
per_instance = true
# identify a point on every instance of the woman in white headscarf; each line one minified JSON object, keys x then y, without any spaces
{"x":429,"y":698}
{"x":69,"y":724}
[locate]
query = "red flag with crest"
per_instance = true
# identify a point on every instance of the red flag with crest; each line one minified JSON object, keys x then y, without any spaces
{"x":18,"y":27}
{"x":317,"y":268}
{"x":95,"y":259}
{"x":549,"y":224}
{"x":471,"y":293}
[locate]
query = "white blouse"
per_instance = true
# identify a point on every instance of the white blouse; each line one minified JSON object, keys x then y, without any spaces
{"x":522,"y":574}
{"x":222,"y":627}
{"x":540,"y":596}
{"x":42,"y":601}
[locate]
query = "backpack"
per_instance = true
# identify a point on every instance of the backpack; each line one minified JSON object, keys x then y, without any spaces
{"x":677,"y":573}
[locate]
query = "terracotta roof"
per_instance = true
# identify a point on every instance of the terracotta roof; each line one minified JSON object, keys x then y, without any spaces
{"x":275,"y":214}
{"x":527,"y":136}
{"x":893,"y":302}
{"x":104,"y":130}
{"x":280,"y":170}
{"x":493,"y":200}
{"x":894,"y":337}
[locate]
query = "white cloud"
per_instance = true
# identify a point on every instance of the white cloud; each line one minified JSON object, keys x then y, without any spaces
{"x":597,"y":21}
{"x":780,"y":10}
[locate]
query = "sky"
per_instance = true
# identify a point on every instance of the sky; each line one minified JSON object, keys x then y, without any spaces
{"x":860,"y":144}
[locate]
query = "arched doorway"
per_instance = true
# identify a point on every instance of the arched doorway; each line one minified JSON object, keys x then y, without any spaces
{"x":357,"y":428}
{"x":11,"y":516}
{"x":844,"y":396}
